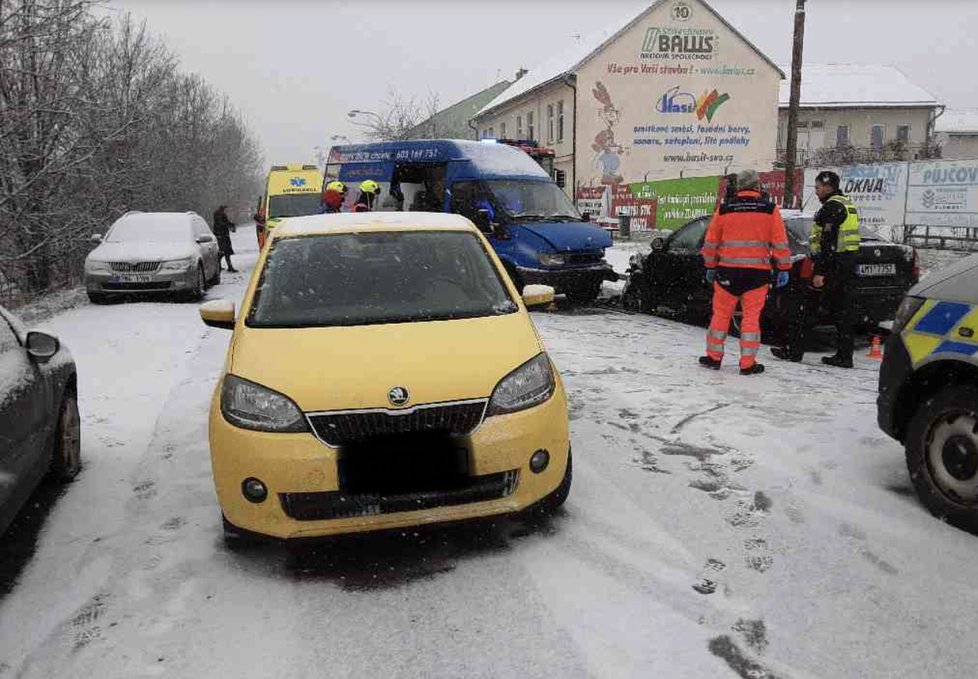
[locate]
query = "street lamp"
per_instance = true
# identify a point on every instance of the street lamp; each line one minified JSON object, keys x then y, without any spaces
{"x":357,"y":112}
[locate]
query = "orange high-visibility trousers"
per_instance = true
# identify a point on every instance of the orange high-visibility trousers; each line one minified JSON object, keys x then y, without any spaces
{"x":724,"y":305}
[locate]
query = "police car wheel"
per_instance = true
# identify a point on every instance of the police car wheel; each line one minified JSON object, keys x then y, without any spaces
{"x":942,"y":455}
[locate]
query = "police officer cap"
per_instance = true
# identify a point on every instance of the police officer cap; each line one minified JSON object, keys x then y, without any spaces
{"x":827,"y":177}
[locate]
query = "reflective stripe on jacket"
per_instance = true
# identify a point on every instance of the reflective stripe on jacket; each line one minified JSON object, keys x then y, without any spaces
{"x":747,"y":233}
{"x":848,"y":237}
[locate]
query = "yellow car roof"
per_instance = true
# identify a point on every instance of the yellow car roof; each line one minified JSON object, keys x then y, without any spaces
{"x":347,"y":222}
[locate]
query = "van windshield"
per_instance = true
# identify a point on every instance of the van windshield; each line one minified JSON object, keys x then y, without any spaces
{"x":531,"y":200}
{"x":293,"y":205}
{"x":372,"y":278}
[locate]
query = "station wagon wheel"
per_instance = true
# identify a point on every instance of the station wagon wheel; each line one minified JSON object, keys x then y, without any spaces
{"x":66,"y":462}
{"x":942,"y":454}
{"x":200,"y":284}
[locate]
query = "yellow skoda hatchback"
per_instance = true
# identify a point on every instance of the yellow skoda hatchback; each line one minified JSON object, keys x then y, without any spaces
{"x":383,"y":373}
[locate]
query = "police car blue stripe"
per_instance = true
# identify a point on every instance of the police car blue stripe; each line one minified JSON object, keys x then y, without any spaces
{"x":956,"y":348}
{"x":942,"y":318}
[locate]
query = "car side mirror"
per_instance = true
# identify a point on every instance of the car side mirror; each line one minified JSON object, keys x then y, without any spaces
{"x":218,"y":313}
{"x":659,"y":243}
{"x":95,"y":238}
{"x":42,"y":346}
{"x":536,"y":296}
{"x":205,"y":238}
{"x":585,"y":216}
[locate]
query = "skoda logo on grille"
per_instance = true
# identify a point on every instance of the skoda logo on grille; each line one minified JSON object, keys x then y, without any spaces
{"x":398,"y":396}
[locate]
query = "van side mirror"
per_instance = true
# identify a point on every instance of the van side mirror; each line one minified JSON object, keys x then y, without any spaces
{"x":218,"y":313}
{"x":585,"y":216}
{"x":483,"y":221}
{"x":95,"y":238}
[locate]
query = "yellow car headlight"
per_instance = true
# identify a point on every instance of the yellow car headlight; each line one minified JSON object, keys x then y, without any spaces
{"x":251,"y":406}
{"x":529,"y":385}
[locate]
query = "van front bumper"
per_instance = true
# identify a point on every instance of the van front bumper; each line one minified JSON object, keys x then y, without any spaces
{"x":302,"y":479}
{"x":570,"y":278}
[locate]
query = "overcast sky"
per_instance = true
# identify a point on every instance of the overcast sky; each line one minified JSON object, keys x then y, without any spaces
{"x":295,"y":67}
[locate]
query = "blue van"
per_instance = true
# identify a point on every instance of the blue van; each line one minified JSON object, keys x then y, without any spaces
{"x":534,"y":227}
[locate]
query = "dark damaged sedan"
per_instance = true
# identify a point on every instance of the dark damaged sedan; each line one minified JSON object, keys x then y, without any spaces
{"x":39,"y":423}
{"x":672,"y":276}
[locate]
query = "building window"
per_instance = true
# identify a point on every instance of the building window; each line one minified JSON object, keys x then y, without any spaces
{"x":903,"y":133}
{"x":842,"y":136}
{"x":502,"y":130}
{"x":560,"y":120}
{"x":550,"y":123}
{"x":817,"y":125}
{"x":492,"y":134}
{"x":531,"y":131}
{"x":519,"y":127}
{"x":876,"y":136}
{"x":802,"y":124}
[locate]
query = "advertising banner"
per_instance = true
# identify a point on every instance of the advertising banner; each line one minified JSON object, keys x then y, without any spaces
{"x":590,"y":199}
{"x":878,"y":191}
{"x":642,"y":210}
{"x":678,"y":200}
{"x":943,"y":193}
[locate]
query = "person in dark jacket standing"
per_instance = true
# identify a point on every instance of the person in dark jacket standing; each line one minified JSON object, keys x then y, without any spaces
{"x":222,"y":231}
{"x":834,"y":244}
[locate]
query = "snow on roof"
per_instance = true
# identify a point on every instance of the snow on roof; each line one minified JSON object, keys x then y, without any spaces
{"x":849,"y":85}
{"x":573,"y":58}
{"x":958,"y":121}
{"x":375,"y":221}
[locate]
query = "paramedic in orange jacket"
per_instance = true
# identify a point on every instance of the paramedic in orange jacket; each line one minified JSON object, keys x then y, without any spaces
{"x":746,"y":233}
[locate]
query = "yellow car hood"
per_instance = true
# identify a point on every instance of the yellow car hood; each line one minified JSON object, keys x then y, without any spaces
{"x":355,"y":367}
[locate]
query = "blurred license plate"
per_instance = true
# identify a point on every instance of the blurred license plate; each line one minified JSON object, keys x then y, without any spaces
{"x":132,"y":278}
{"x":877,"y":269}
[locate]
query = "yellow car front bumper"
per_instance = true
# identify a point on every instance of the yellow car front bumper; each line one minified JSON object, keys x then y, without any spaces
{"x":291,"y":464}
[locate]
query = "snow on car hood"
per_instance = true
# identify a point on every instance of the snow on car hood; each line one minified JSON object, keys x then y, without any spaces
{"x":344,"y":368}
{"x":565,"y":236}
{"x":955,"y":283}
{"x":141,"y":252}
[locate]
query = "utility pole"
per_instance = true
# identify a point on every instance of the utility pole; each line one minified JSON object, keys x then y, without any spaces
{"x":792,"y":148}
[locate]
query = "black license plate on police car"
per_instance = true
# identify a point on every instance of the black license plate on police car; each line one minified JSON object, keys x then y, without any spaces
{"x":876,"y":270}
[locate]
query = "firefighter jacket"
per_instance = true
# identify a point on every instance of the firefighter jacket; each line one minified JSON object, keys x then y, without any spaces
{"x":747,"y":233}
{"x":835,"y":233}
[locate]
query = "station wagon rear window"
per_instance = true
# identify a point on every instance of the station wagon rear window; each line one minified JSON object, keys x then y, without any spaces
{"x":371,"y":278}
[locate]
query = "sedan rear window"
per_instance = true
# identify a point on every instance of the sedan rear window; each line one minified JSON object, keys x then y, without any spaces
{"x":370,"y":278}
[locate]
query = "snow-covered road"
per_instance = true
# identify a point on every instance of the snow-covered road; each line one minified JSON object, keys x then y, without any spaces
{"x":718,"y":526}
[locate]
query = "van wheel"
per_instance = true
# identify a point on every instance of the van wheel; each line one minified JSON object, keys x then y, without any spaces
{"x":66,"y":462}
{"x":584,"y":295}
{"x":942,"y":455}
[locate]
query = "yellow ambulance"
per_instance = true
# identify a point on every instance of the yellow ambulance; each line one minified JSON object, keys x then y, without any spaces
{"x":290,"y":191}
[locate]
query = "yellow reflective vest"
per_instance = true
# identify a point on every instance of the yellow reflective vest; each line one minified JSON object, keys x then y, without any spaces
{"x":848,"y":238}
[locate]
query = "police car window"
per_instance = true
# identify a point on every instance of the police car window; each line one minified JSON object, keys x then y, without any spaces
{"x":691,"y":236}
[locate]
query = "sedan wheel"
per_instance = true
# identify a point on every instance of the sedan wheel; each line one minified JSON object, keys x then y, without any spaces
{"x":67,"y":445}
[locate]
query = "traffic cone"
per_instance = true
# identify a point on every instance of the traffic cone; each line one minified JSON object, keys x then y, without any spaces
{"x":874,"y":351}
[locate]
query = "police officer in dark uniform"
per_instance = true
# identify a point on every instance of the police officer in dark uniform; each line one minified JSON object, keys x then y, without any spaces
{"x":833,"y":244}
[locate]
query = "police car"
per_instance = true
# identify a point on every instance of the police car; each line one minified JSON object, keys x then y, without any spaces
{"x":928,"y":390}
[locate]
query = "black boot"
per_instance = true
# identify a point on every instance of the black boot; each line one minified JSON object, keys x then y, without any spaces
{"x":710,"y":363}
{"x":786,"y":354}
{"x":838,"y":361}
{"x":755,"y":369}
